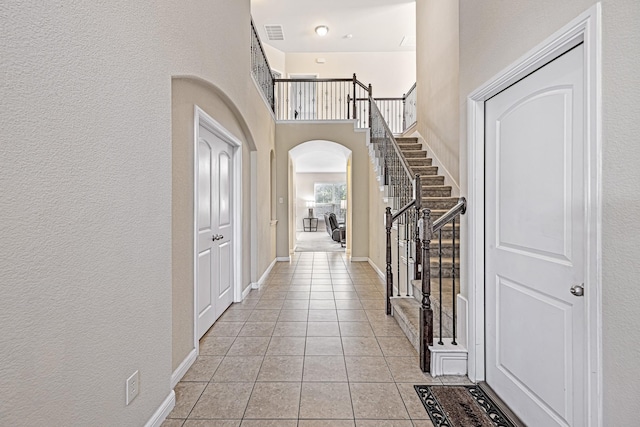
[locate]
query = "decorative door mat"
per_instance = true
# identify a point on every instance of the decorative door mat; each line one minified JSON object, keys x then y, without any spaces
{"x":460,"y":406}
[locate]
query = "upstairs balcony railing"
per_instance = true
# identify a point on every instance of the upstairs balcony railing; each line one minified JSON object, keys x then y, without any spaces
{"x":326,"y":99}
{"x":322,"y":99}
{"x":260,"y":69}
{"x":399,"y":113}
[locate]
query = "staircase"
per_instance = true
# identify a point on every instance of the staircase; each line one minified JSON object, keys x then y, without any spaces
{"x":406,"y":311}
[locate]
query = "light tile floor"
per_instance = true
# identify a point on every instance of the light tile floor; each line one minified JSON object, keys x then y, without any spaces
{"x":312,"y":348}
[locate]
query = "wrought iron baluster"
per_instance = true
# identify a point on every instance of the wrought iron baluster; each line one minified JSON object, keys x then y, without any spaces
{"x":389,"y":271}
{"x":453,"y":279}
{"x":440,"y":283}
{"x":406,"y":247}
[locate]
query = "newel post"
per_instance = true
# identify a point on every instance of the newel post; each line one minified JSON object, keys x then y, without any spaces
{"x":417,"y":196}
{"x":426,"y":313}
{"x":388,"y":218}
{"x":404,"y":116}
{"x":355,"y":96}
{"x":370,"y":100}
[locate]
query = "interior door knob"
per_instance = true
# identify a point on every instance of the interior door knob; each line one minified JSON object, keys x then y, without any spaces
{"x":577,"y":290}
{"x":218,"y":237}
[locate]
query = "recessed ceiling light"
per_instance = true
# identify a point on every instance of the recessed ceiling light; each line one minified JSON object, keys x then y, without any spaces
{"x":322,"y":30}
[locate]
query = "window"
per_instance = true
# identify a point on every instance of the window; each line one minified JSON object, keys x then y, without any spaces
{"x":328,"y":197}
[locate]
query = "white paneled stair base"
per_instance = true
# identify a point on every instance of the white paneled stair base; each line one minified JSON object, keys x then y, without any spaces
{"x":448,"y":359}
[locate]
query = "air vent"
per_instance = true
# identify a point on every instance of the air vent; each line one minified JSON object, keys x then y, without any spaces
{"x":274,"y":32}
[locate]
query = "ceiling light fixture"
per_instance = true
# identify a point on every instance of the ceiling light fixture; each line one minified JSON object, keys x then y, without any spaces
{"x":322,"y":30}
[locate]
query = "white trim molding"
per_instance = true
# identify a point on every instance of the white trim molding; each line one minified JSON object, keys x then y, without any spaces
{"x":375,"y":267}
{"x":184,"y":366}
{"x":163,"y":411}
{"x":442,"y":170}
{"x":246,"y":291}
{"x":264,"y":276}
{"x":586,"y":29}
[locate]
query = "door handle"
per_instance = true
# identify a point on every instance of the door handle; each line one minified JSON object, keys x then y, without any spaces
{"x":577,"y":290}
{"x":218,"y":237}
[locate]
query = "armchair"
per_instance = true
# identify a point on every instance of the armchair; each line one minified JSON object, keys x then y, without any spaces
{"x":337,"y":232}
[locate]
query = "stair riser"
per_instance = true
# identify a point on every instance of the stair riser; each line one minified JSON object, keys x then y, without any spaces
{"x":415,"y":154}
{"x":446,"y":271}
{"x":419,"y":162}
{"x":447,"y":233}
{"x":403,"y":140}
{"x":436,"y":192}
{"x":432,"y":179}
{"x":447,"y":251}
{"x":410,"y":147}
{"x":424,"y":170}
{"x":439,"y":204}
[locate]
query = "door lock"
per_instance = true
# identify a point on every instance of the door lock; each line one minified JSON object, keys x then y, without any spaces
{"x":577,"y":290}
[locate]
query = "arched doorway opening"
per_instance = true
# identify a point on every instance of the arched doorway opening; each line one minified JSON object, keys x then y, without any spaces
{"x":320,"y":194}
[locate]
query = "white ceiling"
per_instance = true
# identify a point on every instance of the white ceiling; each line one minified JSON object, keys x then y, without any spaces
{"x":320,"y":157}
{"x":376,"y":25}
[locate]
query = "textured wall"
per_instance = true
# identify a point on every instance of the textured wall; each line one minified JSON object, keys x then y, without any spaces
{"x":378,"y":232}
{"x":186,"y":94}
{"x":289,"y":135}
{"x":437,"y":62}
{"x":390,"y":73}
{"x":86,"y":199}
{"x":85,"y":217}
{"x":494,"y":34}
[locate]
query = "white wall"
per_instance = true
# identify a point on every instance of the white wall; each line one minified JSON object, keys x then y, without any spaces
{"x":305,"y":191}
{"x":86,"y":176}
{"x":437,"y":89}
{"x":276,"y":58}
{"x":391,"y":73}
{"x":494,"y":34}
{"x":292,"y":134}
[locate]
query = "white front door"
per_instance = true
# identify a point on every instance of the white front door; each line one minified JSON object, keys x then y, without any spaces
{"x":215,"y":228}
{"x":535,"y":242}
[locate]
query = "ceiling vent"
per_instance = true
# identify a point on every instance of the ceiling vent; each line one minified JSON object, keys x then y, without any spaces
{"x":274,"y":32}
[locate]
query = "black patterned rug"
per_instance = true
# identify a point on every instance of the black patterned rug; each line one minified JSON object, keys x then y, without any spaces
{"x":460,"y":406}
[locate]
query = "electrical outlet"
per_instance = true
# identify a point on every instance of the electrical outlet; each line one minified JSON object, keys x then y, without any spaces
{"x":133,"y":386}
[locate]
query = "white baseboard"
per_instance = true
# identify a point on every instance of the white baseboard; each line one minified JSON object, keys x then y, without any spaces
{"x":246,"y":291}
{"x":163,"y":411}
{"x":283,"y":259}
{"x":183,"y":367}
{"x":448,"y":178}
{"x":260,"y":282}
{"x":375,"y":267}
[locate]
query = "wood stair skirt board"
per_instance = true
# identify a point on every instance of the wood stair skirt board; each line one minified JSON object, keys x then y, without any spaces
{"x":447,"y":359}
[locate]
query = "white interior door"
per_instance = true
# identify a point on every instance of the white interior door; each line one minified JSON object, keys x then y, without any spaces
{"x":215,"y":229}
{"x":535,"y":244}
